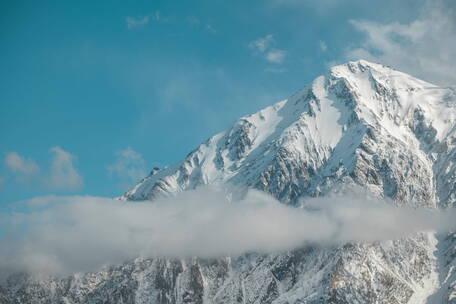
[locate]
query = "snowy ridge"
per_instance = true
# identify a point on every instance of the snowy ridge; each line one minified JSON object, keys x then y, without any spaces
{"x":323,"y":125}
{"x":360,"y":124}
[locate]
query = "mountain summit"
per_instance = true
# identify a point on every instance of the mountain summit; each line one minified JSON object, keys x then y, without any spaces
{"x":361,"y":124}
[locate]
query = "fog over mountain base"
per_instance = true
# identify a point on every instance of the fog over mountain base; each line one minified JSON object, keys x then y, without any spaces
{"x":66,"y":234}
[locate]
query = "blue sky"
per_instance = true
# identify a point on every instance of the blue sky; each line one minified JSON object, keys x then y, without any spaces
{"x":93,"y":94}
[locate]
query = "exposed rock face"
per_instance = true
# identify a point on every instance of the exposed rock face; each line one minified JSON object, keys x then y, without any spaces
{"x":362,"y":124}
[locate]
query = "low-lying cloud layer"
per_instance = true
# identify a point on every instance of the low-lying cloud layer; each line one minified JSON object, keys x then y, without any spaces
{"x":64,"y":234}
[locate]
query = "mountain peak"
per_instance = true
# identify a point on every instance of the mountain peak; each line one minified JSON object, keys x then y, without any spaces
{"x":360,"y":65}
{"x":384,"y":96}
{"x":329,"y":132}
{"x":383,"y":74}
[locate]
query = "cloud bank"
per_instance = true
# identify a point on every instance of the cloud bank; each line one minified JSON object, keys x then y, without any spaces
{"x":65,"y":234}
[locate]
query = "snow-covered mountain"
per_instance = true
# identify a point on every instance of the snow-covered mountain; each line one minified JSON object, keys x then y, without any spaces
{"x":360,"y":124}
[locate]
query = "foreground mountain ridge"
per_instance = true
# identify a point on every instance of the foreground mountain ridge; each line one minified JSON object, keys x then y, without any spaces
{"x":360,"y":124}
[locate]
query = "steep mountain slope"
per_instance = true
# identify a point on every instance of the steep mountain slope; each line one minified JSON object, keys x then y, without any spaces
{"x":341,"y":126}
{"x":362,"y":124}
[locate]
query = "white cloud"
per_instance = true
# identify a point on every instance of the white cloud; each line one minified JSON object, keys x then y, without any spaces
{"x":21,"y":165}
{"x":425,"y":47}
{"x":276,"y":56}
{"x":139,"y":21}
{"x":264,"y":46}
{"x":133,"y":22}
{"x":62,"y":174}
{"x":129,"y":167}
{"x":68,"y":234}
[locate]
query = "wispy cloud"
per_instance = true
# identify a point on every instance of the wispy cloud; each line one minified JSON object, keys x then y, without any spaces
{"x":133,"y":22}
{"x":157,"y":16}
{"x":129,"y":167}
{"x":424,"y":47}
{"x":265,"y":47}
{"x":67,"y":234}
{"x":262,"y":44}
{"x":21,"y":166}
{"x":139,"y":21}
{"x":61,"y":175}
{"x":276,"y":56}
